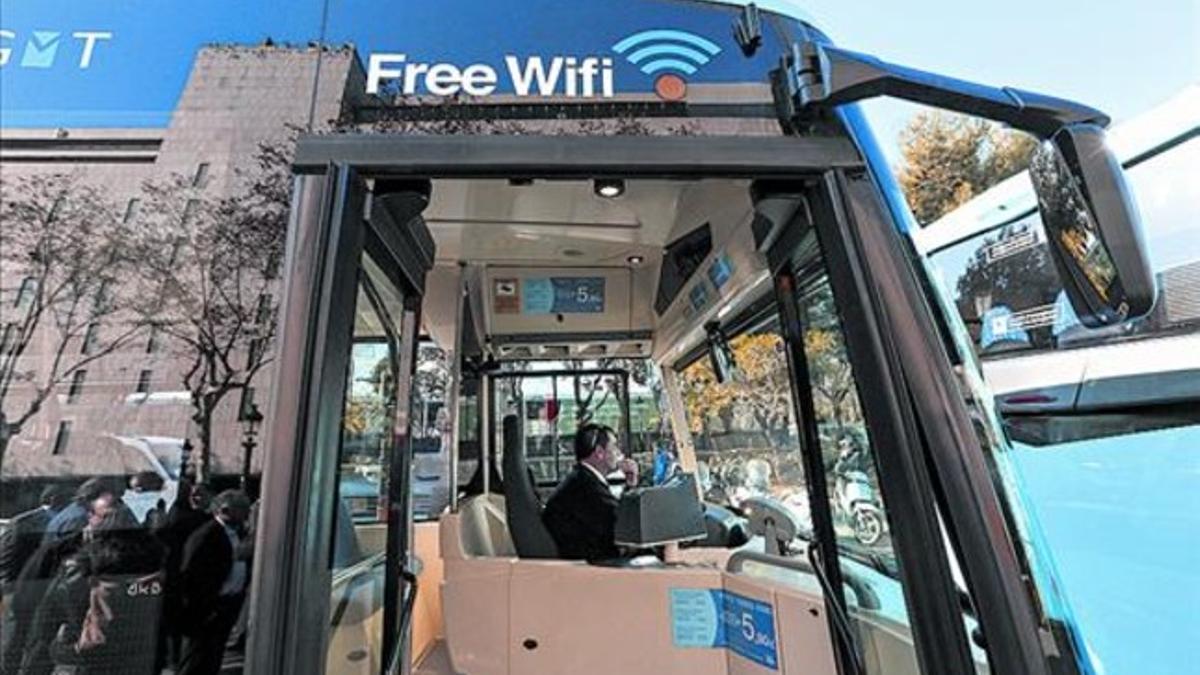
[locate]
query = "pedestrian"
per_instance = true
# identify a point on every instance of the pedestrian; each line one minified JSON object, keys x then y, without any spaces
{"x":187,"y":514}
{"x":108,"y":602}
{"x":25,"y":532}
{"x":74,"y":516}
{"x":213,"y":581}
{"x":40,"y":572}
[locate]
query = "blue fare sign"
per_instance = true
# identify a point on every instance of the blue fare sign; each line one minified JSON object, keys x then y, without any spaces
{"x":698,"y":296}
{"x":720,"y":271}
{"x":696,"y":617}
{"x":750,"y":629}
{"x":562,"y":295}
{"x":714,"y":618}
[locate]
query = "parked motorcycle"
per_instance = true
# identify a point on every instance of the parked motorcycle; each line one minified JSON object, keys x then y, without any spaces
{"x":854,"y":496}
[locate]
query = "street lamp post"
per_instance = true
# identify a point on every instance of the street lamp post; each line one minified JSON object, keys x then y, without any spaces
{"x":250,"y":422}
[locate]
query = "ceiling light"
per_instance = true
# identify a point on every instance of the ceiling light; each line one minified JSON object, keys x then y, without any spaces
{"x":609,"y":188}
{"x":635,"y":260}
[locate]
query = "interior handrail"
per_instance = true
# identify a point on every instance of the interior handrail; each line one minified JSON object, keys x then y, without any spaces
{"x":864,"y":597}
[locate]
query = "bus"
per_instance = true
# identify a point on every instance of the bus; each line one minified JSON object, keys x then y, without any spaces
{"x":672,"y":219}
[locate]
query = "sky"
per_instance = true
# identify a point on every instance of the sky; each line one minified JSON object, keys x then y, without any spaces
{"x":1120,"y":56}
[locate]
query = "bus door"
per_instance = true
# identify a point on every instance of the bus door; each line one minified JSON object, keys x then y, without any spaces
{"x":334,"y":580}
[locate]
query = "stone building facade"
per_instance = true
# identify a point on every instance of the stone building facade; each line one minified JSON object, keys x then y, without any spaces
{"x":235,"y":98}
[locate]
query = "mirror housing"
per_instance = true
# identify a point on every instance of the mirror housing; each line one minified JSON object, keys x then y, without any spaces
{"x":1091,"y":222}
{"x":720,"y":355}
{"x":1092,"y":226}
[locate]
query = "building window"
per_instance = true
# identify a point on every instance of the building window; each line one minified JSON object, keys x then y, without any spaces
{"x":263,"y":313}
{"x":8,"y":340}
{"x":274,"y":263}
{"x":154,"y":340}
{"x":103,"y":296}
{"x":143,"y":385}
{"x":55,"y":208}
{"x":176,"y":249}
{"x":246,"y":403}
{"x":27,"y":292}
{"x":132,"y":209}
{"x":76,"y":389}
{"x":255,"y":352}
{"x":63,"y":437}
{"x":201,"y":178}
{"x":189,"y":210}
{"x":90,"y":338}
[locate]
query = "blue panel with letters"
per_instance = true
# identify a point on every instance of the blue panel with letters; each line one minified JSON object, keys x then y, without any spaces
{"x":696,"y":617}
{"x":562,"y":295}
{"x":712,"y":618}
{"x":750,"y":629}
{"x":698,"y":296}
{"x":720,"y":271}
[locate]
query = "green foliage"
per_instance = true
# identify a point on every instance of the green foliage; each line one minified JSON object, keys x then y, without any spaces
{"x":950,"y":158}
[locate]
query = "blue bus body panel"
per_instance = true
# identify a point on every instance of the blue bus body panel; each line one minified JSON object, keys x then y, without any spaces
{"x":123,"y":63}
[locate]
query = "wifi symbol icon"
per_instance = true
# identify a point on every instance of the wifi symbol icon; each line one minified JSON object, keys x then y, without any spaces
{"x":669,"y":52}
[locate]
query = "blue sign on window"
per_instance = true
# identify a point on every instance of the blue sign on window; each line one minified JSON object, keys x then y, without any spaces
{"x":999,"y":324}
{"x":698,"y":296}
{"x":563,"y":295}
{"x":720,"y":271}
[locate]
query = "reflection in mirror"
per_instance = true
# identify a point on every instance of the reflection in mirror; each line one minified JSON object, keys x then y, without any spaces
{"x":1075,"y":229}
{"x":1092,"y":226}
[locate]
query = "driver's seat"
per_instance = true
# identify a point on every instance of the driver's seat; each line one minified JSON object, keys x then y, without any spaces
{"x":524,"y":509}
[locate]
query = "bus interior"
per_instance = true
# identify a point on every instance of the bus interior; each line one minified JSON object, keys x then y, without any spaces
{"x":565,"y":278}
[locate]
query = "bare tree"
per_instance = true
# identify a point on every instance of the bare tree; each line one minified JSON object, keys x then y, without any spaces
{"x":215,"y":261}
{"x":66,"y":247}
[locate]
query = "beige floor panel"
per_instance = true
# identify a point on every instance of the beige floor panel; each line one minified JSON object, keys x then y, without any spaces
{"x":475,"y":604}
{"x":584,"y":620}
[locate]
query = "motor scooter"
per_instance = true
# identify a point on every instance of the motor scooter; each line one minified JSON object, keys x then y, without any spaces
{"x":855,"y":498}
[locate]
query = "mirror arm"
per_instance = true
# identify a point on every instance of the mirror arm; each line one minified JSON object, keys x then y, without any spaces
{"x":820,"y":76}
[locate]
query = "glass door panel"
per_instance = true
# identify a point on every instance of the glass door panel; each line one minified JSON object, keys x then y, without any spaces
{"x":358,"y":557}
{"x":337,"y":515}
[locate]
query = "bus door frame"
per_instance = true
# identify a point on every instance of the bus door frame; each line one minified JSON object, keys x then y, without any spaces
{"x":335,"y":218}
{"x":989,"y":560}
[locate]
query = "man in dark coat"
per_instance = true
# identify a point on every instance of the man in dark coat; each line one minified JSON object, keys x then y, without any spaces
{"x":102,"y":613}
{"x":582,"y":511}
{"x":24,"y":534}
{"x":74,"y":516}
{"x":213,"y":582}
{"x":188,"y":513}
{"x":21,"y":639}
{"x":41,"y":605}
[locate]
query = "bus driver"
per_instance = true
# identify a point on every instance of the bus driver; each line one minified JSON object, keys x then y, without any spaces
{"x":581,"y":513}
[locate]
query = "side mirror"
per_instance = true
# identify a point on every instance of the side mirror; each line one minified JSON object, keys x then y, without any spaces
{"x":1092,"y":226}
{"x":720,"y":355}
{"x":1090,"y":219}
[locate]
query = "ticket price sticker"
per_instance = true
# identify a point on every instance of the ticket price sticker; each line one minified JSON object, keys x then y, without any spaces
{"x":563,"y":295}
{"x":714,"y":618}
